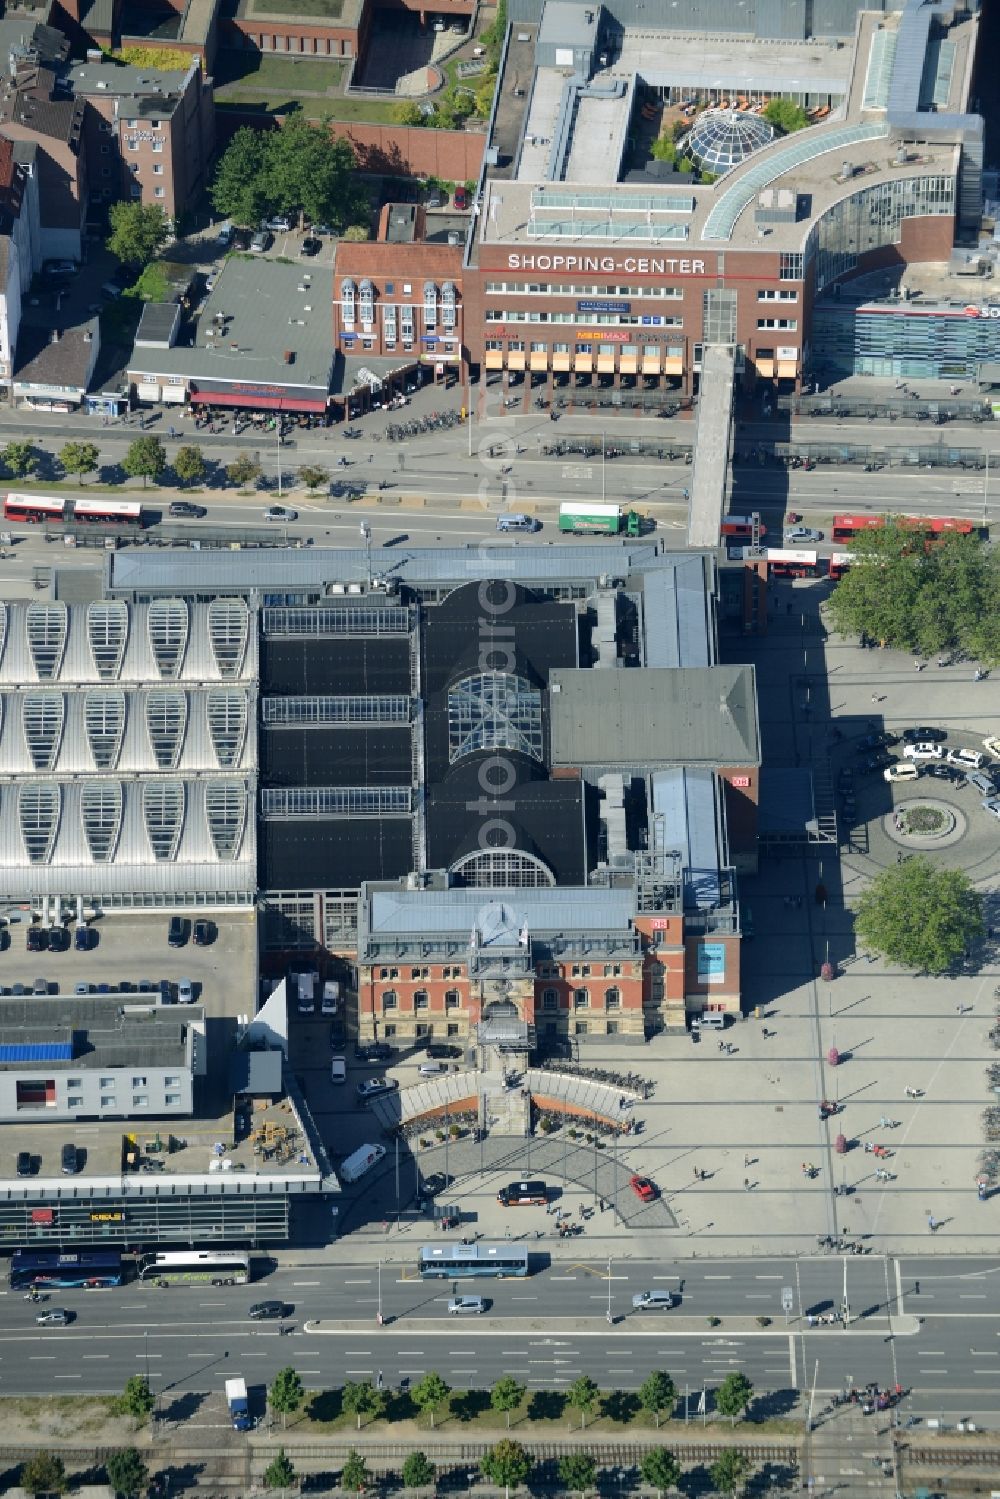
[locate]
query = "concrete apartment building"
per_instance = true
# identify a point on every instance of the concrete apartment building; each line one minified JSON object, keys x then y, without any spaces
{"x":20,"y":241}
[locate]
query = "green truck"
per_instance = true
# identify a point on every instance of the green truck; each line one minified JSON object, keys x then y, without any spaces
{"x":609,"y":520}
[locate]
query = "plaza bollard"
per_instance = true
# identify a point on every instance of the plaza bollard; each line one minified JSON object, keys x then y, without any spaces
{"x":827,"y":972}
{"x":833,"y":1057}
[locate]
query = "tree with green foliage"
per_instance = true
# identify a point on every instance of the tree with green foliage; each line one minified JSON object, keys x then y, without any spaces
{"x":785,"y":115}
{"x":286,"y":1393}
{"x":19,"y":459}
{"x":44,"y":1473}
{"x":406,"y":112}
{"x":354,"y":1473}
{"x":363,"y":1400}
{"x":147,"y":457}
{"x":734,"y":1395}
{"x":920,"y":916}
{"x":729,"y":1470}
{"x":921,"y":598}
{"x":685,"y":165}
{"x":239,"y":190}
{"x":663,"y":149}
{"x":430,"y":1393}
{"x":508,"y":1464}
{"x":506,"y":1395}
{"x":243,"y":470}
{"x":137,"y":1399}
{"x":79,"y":458}
{"x":418,"y":1471}
{"x":280,"y":1472}
{"x":189,"y":464}
{"x":127,"y":1473}
{"x":582,"y":1396}
{"x":308,"y":170}
{"x":660,"y":1469}
{"x":657,"y":1394}
{"x":577,"y":1470}
{"x":314,"y":475}
{"x":492,"y":37}
{"x":138,"y":231}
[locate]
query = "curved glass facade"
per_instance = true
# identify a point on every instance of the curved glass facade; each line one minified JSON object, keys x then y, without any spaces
{"x":873,"y":217}
{"x":494,"y":711}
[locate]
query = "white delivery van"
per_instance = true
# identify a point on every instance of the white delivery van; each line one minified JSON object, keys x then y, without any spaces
{"x":331,"y":997}
{"x":359,"y":1161}
{"x":306,"y":986}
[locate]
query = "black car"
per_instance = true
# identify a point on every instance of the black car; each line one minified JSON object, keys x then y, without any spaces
{"x":922,"y":733}
{"x":205,"y":933}
{"x":875,"y":763}
{"x":37,"y":939}
{"x":166,"y":994}
{"x":432,"y":1185}
{"x":59,"y":939}
{"x":440,"y":1050}
{"x":943,"y":772}
{"x":84,"y":939}
{"x":25,"y":1163}
{"x":373,"y":1051}
{"x":310,"y":245}
{"x":180,"y":930}
{"x":264,"y":1309}
{"x":70,"y":1160}
{"x":884,"y":740}
{"x":187,"y":508}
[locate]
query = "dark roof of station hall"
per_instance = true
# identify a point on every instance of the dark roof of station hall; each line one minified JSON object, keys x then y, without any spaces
{"x":499,"y":626}
{"x":342,"y":665}
{"x":333,"y":853}
{"x":318,"y":756}
{"x":554,"y":820}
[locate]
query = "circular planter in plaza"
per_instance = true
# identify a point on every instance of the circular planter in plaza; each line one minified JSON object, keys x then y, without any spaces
{"x":924,"y":824}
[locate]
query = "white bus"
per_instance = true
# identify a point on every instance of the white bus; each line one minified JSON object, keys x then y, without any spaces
{"x":195,"y":1267}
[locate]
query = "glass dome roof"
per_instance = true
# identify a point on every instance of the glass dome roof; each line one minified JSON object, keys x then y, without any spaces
{"x":722,"y":138}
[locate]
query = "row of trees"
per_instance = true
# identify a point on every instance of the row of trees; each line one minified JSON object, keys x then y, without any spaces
{"x":300,"y":168}
{"x":145,"y":459}
{"x":918,"y":598}
{"x":657,"y":1396}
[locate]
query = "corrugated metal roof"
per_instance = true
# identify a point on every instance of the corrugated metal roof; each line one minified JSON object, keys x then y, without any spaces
{"x":688,"y":803}
{"x":648,"y":719}
{"x":437,"y":913}
{"x":36,"y":1051}
{"x":676,"y":630}
{"x":314,"y":568}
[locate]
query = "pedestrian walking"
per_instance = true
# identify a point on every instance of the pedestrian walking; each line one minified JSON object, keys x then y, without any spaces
{"x":932,"y":1223}
{"x":746,"y":1184}
{"x":746,"y":1161}
{"x":788,"y":607}
{"x":371,"y":457}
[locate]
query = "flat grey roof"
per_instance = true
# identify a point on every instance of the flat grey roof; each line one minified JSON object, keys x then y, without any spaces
{"x":654,"y":718}
{"x":123,"y":78}
{"x":440,"y":913}
{"x":269,"y":309}
{"x":103,"y":1030}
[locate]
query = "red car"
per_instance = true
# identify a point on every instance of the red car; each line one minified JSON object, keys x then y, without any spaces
{"x":643,"y":1188}
{"x":461,"y":197}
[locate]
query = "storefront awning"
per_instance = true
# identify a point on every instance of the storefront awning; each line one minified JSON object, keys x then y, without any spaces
{"x":256,"y":402}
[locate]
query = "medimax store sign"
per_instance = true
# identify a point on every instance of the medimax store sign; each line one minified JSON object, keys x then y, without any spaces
{"x":628,"y":265}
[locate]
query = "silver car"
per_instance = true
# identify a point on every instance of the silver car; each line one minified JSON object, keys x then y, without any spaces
{"x":652,"y":1301}
{"x":466,"y":1306}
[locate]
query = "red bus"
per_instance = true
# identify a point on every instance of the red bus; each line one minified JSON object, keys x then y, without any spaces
{"x":33,"y":507}
{"x":122,"y":512}
{"x":847,"y":526}
{"x":839,"y":563}
{"x":783,"y":563}
{"x":37,"y":507}
{"x":740,"y":526}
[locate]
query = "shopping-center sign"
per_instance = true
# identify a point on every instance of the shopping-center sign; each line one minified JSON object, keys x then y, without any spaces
{"x":632,"y":265}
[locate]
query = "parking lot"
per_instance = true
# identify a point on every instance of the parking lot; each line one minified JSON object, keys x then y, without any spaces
{"x":130,"y":949}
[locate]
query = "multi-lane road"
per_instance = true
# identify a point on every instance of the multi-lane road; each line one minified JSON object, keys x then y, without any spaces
{"x":931,"y":1325}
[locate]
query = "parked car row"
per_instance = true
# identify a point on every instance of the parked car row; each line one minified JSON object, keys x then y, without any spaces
{"x":205,"y":932}
{"x":181,"y":990}
{"x":30,"y":1165}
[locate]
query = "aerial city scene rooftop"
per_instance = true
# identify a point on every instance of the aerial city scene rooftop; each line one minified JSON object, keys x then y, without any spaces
{"x":499,"y":967}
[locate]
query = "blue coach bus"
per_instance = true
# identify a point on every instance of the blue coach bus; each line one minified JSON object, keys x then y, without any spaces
{"x":451,"y":1261}
{"x":57,"y":1270}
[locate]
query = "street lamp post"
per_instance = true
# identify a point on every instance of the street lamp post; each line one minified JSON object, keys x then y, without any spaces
{"x":379,"y":1317}
{"x":610,"y":1317}
{"x":366,"y":535}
